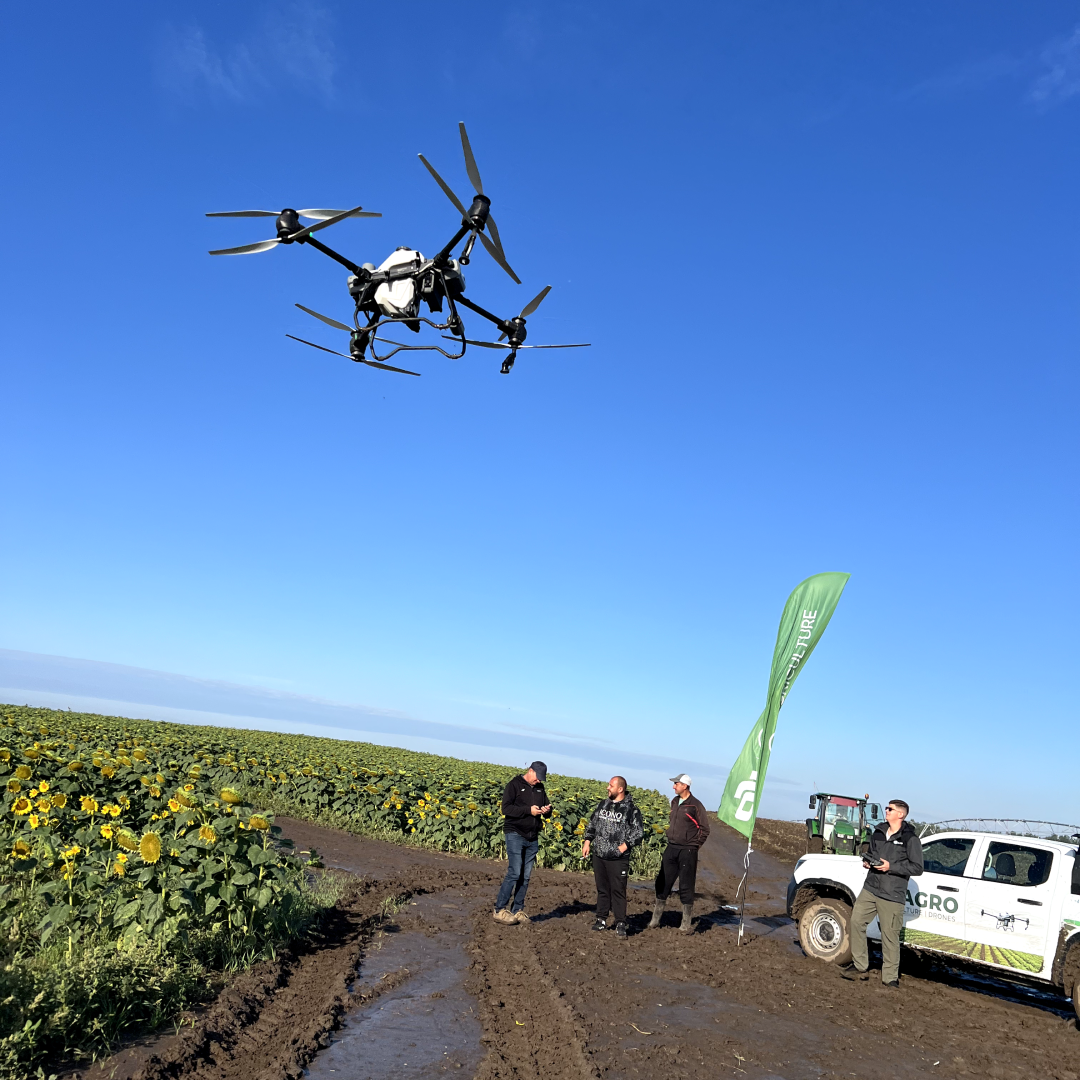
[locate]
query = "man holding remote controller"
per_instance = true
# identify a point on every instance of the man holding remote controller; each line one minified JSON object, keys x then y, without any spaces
{"x":895,"y":854}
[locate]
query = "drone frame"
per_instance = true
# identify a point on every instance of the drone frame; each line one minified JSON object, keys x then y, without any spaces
{"x":434,"y":279}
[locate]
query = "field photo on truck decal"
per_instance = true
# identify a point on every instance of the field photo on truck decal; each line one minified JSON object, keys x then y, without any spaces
{"x":974,"y":950}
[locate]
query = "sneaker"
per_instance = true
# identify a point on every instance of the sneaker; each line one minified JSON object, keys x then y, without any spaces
{"x":894,"y":985}
{"x":505,"y":918}
{"x":600,"y":924}
{"x":620,"y":929}
{"x":520,"y":917}
{"x":850,"y":971}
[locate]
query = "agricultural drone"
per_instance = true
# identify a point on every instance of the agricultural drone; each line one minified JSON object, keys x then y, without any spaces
{"x":391,"y":294}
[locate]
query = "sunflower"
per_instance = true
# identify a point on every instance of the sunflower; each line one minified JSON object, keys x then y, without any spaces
{"x":114,"y":811}
{"x":22,"y":805}
{"x":70,"y":852}
{"x":189,"y":787}
{"x":22,"y":772}
{"x":32,"y":753}
{"x":21,"y":849}
{"x":257,"y":821}
{"x":14,"y":785}
{"x":207,"y":833}
{"x":183,"y":800}
{"x":75,"y":766}
{"x":155,"y":791}
{"x":43,"y":786}
{"x":150,"y":847}
{"x":106,"y":832}
{"x":139,"y":755}
{"x":108,"y":771}
{"x":174,"y":852}
{"x":229,"y":796}
{"x":34,"y":821}
{"x":59,"y":800}
{"x":44,"y":804}
{"x":5,"y":755}
{"x":89,"y":804}
{"x":127,"y":839}
{"x":174,"y":806}
{"x":119,"y":869}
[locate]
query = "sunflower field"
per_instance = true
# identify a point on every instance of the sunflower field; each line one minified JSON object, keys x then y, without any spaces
{"x":131,"y":846}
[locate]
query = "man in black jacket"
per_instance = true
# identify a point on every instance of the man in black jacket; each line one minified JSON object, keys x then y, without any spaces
{"x":897,"y":852}
{"x":613,"y":830}
{"x":524,"y":803}
{"x":688,"y":829}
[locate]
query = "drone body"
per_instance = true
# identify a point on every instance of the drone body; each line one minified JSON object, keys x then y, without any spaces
{"x":395,"y":292}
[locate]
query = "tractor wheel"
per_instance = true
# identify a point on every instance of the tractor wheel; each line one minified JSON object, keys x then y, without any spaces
{"x":825,"y":931}
{"x":815,"y":845}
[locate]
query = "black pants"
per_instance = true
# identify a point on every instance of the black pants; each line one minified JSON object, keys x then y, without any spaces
{"x":681,"y":863}
{"x":611,"y":875}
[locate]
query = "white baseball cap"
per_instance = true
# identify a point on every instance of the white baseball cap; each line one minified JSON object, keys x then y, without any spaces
{"x":682,"y":778}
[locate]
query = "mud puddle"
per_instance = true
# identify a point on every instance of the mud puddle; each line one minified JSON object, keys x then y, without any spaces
{"x":426,"y":1022}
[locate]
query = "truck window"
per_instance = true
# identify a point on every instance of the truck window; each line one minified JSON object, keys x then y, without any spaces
{"x":1014,"y":864}
{"x":948,"y":856}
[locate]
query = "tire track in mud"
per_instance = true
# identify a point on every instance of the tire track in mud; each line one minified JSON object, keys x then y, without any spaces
{"x":530,"y":1028}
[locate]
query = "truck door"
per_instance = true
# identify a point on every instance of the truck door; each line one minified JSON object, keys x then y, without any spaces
{"x":1008,"y":906}
{"x":934,"y":915}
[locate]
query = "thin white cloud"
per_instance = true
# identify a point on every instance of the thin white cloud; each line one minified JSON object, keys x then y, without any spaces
{"x":291,"y":48}
{"x":966,"y":77}
{"x":1060,"y":78}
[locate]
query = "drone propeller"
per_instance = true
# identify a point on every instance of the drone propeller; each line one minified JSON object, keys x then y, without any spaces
{"x":326,"y":319}
{"x":503,"y":348}
{"x":315,"y":215}
{"x":492,"y":245}
{"x":370,"y":363}
{"x":266,"y":245}
{"x":531,"y":306}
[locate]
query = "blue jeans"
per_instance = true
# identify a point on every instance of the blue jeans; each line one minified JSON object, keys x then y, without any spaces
{"x":521,"y":854}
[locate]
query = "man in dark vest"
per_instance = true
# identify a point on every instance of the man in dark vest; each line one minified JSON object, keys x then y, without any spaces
{"x":524,"y":803}
{"x":688,"y":829}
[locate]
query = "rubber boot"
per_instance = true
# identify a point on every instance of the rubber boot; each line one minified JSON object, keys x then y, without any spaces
{"x":687,"y":917}
{"x":657,"y":913}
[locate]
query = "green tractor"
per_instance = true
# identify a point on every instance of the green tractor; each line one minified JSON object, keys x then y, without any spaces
{"x":842,"y":824}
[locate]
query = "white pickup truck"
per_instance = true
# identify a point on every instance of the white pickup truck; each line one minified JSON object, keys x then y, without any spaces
{"x":1006,"y":903}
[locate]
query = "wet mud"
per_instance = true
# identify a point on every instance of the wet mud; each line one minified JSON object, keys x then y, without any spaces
{"x":440,"y":988}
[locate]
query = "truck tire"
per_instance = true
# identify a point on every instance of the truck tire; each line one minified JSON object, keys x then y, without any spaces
{"x":1076,"y":996}
{"x":825,"y":931}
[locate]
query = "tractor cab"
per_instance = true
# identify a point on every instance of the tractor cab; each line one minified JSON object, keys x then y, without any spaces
{"x":841,"y":825}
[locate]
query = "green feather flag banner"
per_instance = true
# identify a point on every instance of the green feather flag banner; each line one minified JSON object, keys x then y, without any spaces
{"x":806,"y":614}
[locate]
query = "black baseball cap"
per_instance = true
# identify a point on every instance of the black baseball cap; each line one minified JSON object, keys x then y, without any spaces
{"x":540,"y":769}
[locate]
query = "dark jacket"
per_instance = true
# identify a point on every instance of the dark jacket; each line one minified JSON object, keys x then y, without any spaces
{"x":904,"y":856}
{"x":518,"y":798}
{"x":688,"y":823}
{"x":614,"y":823}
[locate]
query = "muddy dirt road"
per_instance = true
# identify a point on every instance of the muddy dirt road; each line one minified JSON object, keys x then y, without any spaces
{"x":439,"y":989}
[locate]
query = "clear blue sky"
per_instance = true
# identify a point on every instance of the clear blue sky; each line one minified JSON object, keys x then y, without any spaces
{"x":827,"y":255}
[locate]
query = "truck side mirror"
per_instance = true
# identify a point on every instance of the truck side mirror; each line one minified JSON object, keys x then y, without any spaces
{"x":813,"y":802}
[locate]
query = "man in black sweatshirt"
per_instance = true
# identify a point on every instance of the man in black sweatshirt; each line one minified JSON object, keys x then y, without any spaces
{"x":895,"y":855}
{"x":524,"y":803}
{"x":613,"y":830}
{"x":688,"y":829}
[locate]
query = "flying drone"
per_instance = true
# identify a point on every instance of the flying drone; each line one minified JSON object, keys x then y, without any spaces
{"x":390,"y":295}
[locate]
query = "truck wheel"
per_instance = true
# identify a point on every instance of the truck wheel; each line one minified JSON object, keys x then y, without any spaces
{"x":825,"y":931}
{"x":1076,"y":996}
{"x":815,"y":845}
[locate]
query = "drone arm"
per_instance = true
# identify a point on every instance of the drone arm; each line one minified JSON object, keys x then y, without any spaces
{"x":487,"y":314}
{"x":444,"y":256}
{"x":319,"y":246}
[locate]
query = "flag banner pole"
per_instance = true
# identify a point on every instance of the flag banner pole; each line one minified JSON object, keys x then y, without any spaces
{"x":806,"y":614}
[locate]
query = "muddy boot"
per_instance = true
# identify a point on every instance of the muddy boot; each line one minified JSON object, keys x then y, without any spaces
{"x":687,"y":917}
{"x":657,"y":914}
